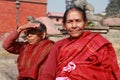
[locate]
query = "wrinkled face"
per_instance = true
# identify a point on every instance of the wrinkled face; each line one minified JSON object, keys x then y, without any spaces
{"x":74,"y":23}
{"x":33,"y":38}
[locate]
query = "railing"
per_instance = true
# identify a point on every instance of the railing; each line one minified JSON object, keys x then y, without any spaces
{"x":102,"y":30}
{"x":115,"y":27}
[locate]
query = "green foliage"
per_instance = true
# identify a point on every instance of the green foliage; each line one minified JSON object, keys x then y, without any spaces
{"x":90,"y":24}
{"x":112,"y":8}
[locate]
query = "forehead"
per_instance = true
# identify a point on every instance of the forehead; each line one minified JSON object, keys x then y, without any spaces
{"x":73,"y":14}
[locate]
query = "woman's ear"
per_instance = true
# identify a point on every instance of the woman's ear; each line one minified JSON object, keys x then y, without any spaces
{"x":44,"y":35}
{"x":64,"y":27}
{"x":85,"y":24}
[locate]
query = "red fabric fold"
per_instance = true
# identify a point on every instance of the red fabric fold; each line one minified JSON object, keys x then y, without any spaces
{"x":90,"y":56}
{"x":31,"y":60}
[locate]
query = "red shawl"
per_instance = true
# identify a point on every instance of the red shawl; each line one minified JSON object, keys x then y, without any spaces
{"x":31,"y":58}
{"x":91,"y":57}
{"x":31,"y":61}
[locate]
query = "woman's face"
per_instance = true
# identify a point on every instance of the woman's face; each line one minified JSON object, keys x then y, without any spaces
{"x":33,"y":38}
{"x":34,"y":35}
{"x":74,"y":23}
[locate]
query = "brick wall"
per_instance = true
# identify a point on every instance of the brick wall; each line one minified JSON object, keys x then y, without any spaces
{"x":27,"y":8}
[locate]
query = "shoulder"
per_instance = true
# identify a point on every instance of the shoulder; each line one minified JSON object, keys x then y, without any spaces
{"x":100,"y":38}
{"x":98,"y":41}
{"x":48,"y":41}
{"x":97,"y":37}
{"x":62,"y":41}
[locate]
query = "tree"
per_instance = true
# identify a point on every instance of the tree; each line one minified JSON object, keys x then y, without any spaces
{"x":112,"y":8}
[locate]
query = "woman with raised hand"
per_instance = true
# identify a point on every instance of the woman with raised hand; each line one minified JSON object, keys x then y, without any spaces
{"x":33,"y":52}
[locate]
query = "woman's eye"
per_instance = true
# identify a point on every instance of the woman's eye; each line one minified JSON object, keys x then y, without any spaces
{"x":69,"y":21}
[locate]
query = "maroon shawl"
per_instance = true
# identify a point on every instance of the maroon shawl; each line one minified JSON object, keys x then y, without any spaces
{"x":31,"y":61}
{"x":31,"y":58}
{"x":90,"y":57}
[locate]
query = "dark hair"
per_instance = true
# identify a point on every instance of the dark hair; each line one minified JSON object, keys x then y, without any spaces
{"x":82,"y":11}
{"x":39,"y":31}
{"x":42,"y":27}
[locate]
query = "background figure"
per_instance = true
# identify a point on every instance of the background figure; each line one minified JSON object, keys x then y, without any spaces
{"x":83,"y":55}
{"x":33,"y":52}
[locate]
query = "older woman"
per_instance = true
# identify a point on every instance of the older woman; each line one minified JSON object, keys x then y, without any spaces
{"x":83,"y":55}
{"x":32,"y":53}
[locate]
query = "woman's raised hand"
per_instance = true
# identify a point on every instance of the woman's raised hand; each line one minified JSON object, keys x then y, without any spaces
{"x":28,"y":25}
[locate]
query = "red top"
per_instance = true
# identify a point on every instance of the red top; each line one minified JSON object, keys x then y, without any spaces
{"x":31,"y":58}
{"x":90,"y":57}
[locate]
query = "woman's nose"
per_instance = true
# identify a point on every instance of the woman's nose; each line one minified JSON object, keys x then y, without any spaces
{"x":74,"y":24}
